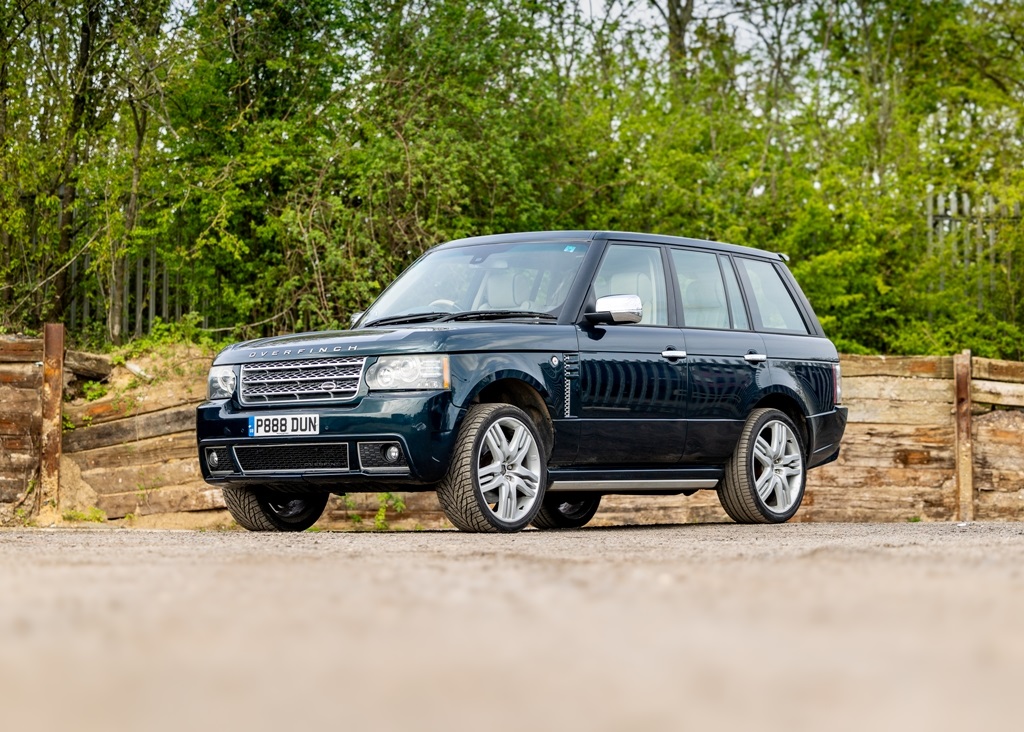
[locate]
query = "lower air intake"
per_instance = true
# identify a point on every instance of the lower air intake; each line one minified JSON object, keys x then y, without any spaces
{"x":291,"y":458}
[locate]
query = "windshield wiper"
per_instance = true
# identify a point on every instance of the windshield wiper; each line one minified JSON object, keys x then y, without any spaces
{"x":499,"y":314}
{"x":407,"y":318}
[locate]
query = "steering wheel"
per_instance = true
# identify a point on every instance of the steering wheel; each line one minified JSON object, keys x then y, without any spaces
{"x":448,"y":306}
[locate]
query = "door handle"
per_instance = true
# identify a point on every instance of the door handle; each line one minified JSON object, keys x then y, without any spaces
{"x":672,"y":354}
{"x":755,"y":358}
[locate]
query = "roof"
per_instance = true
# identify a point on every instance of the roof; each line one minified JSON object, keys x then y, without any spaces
{"x":598,"y":235}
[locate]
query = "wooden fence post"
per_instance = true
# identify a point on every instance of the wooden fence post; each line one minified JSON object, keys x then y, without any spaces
{"x":963,"y":439}
{"x":52,"y":402}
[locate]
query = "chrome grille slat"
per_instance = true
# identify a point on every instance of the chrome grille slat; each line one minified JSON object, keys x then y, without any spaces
{"x":291,"y":376}
{"x":319,"y":379}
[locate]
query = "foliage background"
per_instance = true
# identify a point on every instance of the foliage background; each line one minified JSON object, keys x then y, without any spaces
{"x":261,"y":166}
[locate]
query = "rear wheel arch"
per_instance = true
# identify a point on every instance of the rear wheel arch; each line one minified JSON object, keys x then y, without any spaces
{"x":791,"y":407}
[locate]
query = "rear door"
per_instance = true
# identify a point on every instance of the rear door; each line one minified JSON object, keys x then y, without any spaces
{"x":800,"y":357}
{"x":725,"y":357}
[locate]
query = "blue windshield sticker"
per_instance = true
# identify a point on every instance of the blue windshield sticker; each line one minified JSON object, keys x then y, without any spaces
{"x":569,"y":249}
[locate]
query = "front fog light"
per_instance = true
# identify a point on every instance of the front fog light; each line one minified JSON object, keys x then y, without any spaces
{"x":392,"y":453}
{"x":221,"y":382}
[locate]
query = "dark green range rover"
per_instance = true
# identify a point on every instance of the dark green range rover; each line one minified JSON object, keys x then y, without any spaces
{"x":524,"y":376}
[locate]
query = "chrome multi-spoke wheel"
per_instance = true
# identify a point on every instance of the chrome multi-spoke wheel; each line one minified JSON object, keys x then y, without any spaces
{"x":265,"y":510}
{"x":508,"y":469}
{"x":497,"y":475}
{"x":779,"y":466}
{"x":764,"y":479}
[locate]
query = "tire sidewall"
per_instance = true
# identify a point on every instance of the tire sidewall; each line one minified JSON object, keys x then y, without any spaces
{"x":502,"y":412}
{"x":315,"y":504}
{"x":769,"y":514}
{"x":555,"y":516}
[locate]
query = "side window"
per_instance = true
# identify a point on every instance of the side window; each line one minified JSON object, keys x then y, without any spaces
{"x":732,"y":286}
{"x":774,"y":303}
{"x":635,"y":270}
{"x":701,"y":289}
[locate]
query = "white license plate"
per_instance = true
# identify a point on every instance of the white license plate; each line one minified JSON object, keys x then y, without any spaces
{"x":285,"y":424}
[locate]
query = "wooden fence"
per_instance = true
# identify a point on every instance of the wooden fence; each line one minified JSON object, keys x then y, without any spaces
{"x":929,"y":438}
{"x":974,"y":241}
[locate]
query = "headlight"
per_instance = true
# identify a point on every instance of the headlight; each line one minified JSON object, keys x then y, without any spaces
{"x":398,"y":373}
{"x":221,"y":382}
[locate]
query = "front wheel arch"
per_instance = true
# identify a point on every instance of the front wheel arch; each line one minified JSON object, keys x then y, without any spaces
{"x":525,"y":396}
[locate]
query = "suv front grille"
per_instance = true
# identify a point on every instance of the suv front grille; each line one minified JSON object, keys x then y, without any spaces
{"x":320,"y":379}
{"x":284,"y":458}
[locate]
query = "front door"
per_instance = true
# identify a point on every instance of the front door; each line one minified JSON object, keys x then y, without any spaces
{"x":633,"y":389}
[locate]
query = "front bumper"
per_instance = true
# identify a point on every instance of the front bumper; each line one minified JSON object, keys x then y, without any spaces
{"x":342,"y":456}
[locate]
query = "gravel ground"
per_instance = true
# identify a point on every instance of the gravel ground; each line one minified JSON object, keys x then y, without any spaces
{"x":797,"y":627}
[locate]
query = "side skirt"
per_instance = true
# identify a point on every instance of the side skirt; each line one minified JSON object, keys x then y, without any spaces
{"x":633,"y":481}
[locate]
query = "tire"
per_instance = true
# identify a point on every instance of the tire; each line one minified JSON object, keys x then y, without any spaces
{"x":262,"y":510}
{"x":483,"y":494}
{"x":567,"y":510}
{"x":765,"y":477}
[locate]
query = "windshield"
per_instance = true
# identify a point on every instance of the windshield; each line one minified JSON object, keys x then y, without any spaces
{"x":531,"y":277}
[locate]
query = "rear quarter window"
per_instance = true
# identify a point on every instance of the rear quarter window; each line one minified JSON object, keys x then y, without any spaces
{"x":775,"y":309}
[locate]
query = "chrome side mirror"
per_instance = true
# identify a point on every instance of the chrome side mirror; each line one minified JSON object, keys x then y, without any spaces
{"x":355,"y":319}
{"x":613,"y":309}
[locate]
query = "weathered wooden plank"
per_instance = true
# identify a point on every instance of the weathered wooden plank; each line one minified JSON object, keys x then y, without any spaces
{"x":21,"y":375}
{"x":360,"y":509}
{"x":131,"y":429}
{"x":996,"y":392}
{"x":143,"y":477}
{"x":116,"y":407}
{"x":963,"y":437}
{"x":939,"y":495}
{"x":93,"y":413}
{"x":14,"y":349}
{"x":1000,"y":506}
{"x":88,"y":365}
{"x":992,"y":369}
{"x":999,"y":441}
{"x":885,"y":411}
{"x":189,"y":497}
{"x":13,"y":485}
{"x":19,"y":460}
{"x":926,"y":367}
{"x":898,"y":388}
{"x":20,"y":411}
{"x":19,"y":401}
{"x":51,"y":434}
{"x":19,"y":426}
{"x":847,"y":510}
{"x":889,"y":445}
{"x":989,"y":458}
{"x":17,"y":443}
{"x":177,"y":446}
{"x":1001,"y":479}
{"x":880,"y":481}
